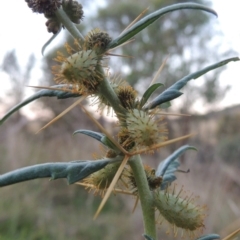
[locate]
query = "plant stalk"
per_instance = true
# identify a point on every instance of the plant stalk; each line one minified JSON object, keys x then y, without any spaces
{"x":107,"y":91}
{"x":68,"y":24}
{"x":145,"y":196}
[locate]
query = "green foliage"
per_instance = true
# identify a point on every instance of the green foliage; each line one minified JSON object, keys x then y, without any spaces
{"x":141,"y":129}
{"x":165,"y":165}
{"x":72,"y":171}
{"x":148,"y":93}
{"x":99,"y":137}
{"x":181,"y":36}
{"x":96,"y":135}
{"x":168,"y":167}
{"x":49,"y":41}
{"x":173,"y":91}
{"x":54,"y":92}
{"x":149,"y":19}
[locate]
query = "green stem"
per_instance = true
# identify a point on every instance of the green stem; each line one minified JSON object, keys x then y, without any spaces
{"x":68,"y":24}
{"x":107,"y":91}
{"x":145,"y":196}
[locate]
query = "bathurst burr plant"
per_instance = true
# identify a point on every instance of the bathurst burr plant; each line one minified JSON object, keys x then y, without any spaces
{"x":82,"y":73}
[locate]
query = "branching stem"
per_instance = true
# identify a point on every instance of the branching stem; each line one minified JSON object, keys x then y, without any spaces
{"x":107,"y":91}
{"x":145,"y":196}
{"x":68,"y":24}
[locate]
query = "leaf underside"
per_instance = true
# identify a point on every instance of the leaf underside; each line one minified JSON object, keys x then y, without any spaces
{"x":60,"y":94}
{"x":73,"y":171}
{"x":173,"y":91}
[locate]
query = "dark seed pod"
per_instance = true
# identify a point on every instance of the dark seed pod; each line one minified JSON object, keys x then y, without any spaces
{"x":127,"y":96}
{"x":53,"y":26}
{"x":154,"y":182}
{"x":44,"y":6}
{"x":49,"y":15}
{"x":74,"y":10}
{"x":97,"y":40}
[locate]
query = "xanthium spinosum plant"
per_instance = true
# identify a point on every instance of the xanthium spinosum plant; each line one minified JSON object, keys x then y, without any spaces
{"x":82,"y":73}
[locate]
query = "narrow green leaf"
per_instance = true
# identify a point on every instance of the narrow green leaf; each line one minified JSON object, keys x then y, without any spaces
{"x":60,"y":94}
{"x":182,"y":82}
{"x":107,"y":142}
{"x":149,"y":19}
{"x":50,"y":40}
{"x":165,"y":164}
{"x":72,"y":171}
{"x":149,"y":92}
{"x":165,"y":96}
{"x":167,"y":168}
{"x":100,"y":137}
{"x":96,"y":135}
{"x":167,"y":180}
{"x":209,"y":237}
{"x":173,"y":91}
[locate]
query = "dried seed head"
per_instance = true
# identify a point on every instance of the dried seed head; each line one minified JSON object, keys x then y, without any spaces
{"x":49,"y":15}
{"x":100,"y":180}
{"x":127,"y":96}
{"x":154,"y":182}
{"x":111,"y":154}
{"x":44,"y":6}
{"x":123,"y":90}
{"x":143,"y":129}
{"x":180,"y":212}
{"x":97,"y":40}
{"x":74,"y":10}
{"x":125,"y":139}
{"x":53,"y":26}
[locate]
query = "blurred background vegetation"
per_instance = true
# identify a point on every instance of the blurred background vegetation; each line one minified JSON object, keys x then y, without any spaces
{"x":52,"y":210}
